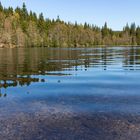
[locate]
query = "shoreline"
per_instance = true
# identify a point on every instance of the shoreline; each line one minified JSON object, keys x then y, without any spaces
{"x":10,"y":46}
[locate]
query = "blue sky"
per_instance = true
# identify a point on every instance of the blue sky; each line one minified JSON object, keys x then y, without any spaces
{"x":115,"y":12}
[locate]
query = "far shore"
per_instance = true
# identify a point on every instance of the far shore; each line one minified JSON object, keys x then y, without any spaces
{"x":78,"y":46}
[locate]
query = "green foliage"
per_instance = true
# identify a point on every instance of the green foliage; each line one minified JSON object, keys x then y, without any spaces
{"x":24,"y":12}
{"x":105,"y":30}
{"x":138,"y":35}
{"x":41,"y":23}
{"x":58,"y":19}
{"x":1,"y":7}
{"x":133,"y":29}
{"x":126,"y":28}
{"x":22,"y":28}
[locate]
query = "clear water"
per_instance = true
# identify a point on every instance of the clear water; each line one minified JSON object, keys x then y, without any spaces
{"x":70,"y":79}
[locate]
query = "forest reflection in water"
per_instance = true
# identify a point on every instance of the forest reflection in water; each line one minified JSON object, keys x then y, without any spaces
{"x":23,"y":66}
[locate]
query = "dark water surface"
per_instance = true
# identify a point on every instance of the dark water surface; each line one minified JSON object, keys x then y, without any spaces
{"x":70,"y":81}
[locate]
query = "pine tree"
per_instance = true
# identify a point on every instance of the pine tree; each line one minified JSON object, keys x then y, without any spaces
{"x":58,"y":19}
{"x":105,"y":30}
{"x":138,"y":35}
{"x":76,"y":24}
{"x":41,"y":22}
{"x":24,"y":11}
{"x":1,"y":7}
{"x":126,"y":28}
{"x":133,"y":29}
{"x":85,"y":25}
{"x":133,"y":33}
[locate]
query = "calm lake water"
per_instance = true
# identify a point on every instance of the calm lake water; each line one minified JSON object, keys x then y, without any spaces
{"x":70,"y":79}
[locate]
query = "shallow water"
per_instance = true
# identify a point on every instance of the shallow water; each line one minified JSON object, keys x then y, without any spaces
{"x":93,"y":80}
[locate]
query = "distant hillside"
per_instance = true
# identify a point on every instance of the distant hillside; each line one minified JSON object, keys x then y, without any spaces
{"x":20,"y":28}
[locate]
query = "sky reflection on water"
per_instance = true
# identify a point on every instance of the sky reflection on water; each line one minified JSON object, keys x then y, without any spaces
{"x":84,"y":79}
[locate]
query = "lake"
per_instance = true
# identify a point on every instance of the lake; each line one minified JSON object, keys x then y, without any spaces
{"x":66,"y":91}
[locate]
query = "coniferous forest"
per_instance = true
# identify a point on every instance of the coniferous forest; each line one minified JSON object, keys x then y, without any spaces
{"x":22,"y":28}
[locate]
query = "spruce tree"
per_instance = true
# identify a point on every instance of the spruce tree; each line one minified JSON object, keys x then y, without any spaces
{"x":1,"y":7}
{"x":105,"y":30}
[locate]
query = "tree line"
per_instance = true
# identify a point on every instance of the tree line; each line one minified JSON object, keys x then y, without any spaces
{"x":22,"y":28}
